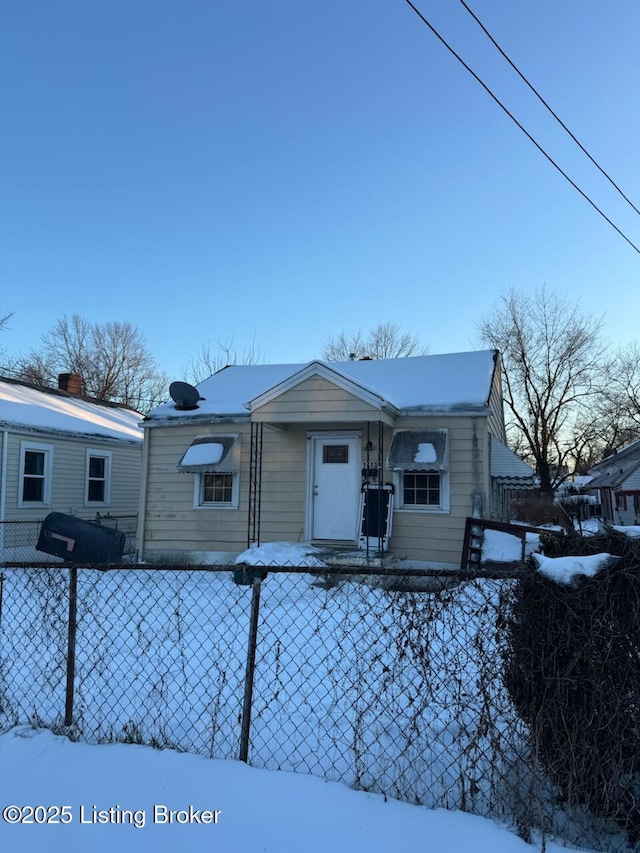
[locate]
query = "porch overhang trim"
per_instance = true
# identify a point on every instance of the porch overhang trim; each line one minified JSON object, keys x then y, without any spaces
{"x":418,"y":450}
{"x":209,"y":454}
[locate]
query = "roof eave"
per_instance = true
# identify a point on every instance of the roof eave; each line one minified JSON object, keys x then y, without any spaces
{"x":203,"y":418}
{"x":52,"y":432}
{"x":458,"y":411}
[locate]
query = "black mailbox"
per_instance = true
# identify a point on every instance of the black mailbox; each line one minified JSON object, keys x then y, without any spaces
{"x":79,"y":541}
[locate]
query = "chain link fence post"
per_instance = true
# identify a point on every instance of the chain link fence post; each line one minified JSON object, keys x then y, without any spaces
{"x":249,"y":673}
{"x":71,"y":644}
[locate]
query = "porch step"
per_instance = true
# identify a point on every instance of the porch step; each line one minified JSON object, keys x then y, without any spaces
{"x":356,"y":557}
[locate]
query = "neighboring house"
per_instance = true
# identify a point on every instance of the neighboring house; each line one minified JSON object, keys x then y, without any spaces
{"x":59,"y":452}
{"x":617,"y":482}
{"x":281,"y":452}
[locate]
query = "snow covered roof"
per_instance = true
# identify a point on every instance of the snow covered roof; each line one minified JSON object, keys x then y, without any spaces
{"x":51,"y":411}
{"x":621,"y":463}
{"x":607,"y":480}
{"x":629,"y":452}
{"x":431,"y":383}
{"x":620,"y":471}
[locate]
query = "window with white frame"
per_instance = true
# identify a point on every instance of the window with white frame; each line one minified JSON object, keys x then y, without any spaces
{"x":98,"y":478}
{"x":419,"y":460}
{"x":34,"y":484}
{"x":218,"y":489}
{"x":215,"y":461}
{"x":421,"y":488}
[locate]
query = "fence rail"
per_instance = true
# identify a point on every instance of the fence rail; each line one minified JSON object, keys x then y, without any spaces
{"x":333,"y":674}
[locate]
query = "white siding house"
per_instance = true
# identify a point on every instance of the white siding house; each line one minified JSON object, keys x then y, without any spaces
{"x":616,"y":480}
{"x":65,"y":454}
{"x":284,"y":452}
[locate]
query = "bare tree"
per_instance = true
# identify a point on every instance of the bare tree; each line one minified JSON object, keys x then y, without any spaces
{"x":613,"y":417}
{"x":211,"y":358}
{"x":552,"y":358}
{"x":621,"y":391}
{"x":4,"y":320}
{"x":386,"y":340}
{"x":111,"y":358}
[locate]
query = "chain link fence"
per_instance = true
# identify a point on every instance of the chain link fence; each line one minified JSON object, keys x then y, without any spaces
{"x":389,"y":684}
{"x":18,"y":538}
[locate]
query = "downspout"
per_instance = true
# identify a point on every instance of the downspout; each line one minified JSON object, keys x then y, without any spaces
{"x":3,"y":483}
{"x":142,"y":507}
{"x":477,"y":502}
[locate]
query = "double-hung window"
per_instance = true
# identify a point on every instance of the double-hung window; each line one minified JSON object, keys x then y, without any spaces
{"x":420,"y":462}
{"x":98,"y":478}
{"x":34,"y":484}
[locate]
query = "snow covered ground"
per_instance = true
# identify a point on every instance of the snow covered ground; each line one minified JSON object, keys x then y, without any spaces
{"x":249,"y":810}
{"x":391,"y":693}
{"x":375,"y":689}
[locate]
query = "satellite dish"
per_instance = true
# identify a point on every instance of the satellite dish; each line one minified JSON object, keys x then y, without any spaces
{"x":185,"y":396}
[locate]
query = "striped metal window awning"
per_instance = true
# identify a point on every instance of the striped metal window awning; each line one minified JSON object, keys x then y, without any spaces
{"x":208,"y":454}
{"x":418,"y":450}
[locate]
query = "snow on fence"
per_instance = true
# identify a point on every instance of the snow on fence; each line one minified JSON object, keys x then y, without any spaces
{"x":394,"y":692}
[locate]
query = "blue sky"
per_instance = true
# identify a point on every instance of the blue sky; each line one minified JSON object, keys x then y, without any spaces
{"x":279,"y":171}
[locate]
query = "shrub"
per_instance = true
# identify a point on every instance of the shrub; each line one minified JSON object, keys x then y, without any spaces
{"x":572,"y":668}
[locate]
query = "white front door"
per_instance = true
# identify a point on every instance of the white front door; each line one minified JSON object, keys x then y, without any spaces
{"x":335,"y":487}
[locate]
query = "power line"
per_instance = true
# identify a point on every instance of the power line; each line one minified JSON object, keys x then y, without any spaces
{"x":542,"y":101}
{"x":515,"y":120}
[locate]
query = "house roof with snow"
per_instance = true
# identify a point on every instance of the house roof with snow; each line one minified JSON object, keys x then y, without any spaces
{"x":458,"y":382}
{"x":32,"y":408}
{"x":620,"y":471}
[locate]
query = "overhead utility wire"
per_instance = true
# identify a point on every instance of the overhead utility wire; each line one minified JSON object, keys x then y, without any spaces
{"x":515,"y":120}
{"x":542,"y":101}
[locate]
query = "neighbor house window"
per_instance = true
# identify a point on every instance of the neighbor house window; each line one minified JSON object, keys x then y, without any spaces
{"x":98,"y":478}
{"x":35,"y":474}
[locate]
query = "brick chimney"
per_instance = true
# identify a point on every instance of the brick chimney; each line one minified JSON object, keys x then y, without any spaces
{"x":71,"y":383}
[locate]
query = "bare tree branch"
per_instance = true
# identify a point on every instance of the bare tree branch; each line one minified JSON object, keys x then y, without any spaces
{"x":386,"y":340}
{"x":112,"y":360}
{"x":553,"y":361}
{"x":5,"y":316}
{"x":211,"y":358}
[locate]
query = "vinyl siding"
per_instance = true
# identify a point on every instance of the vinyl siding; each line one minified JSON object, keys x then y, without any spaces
{"x":495,"y":421}
{"x":171,"y":523}
{"x":173,"y":528}
{"x":68,"y":478}
{"x":317,"y":401}
{"x":437,"y":537}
